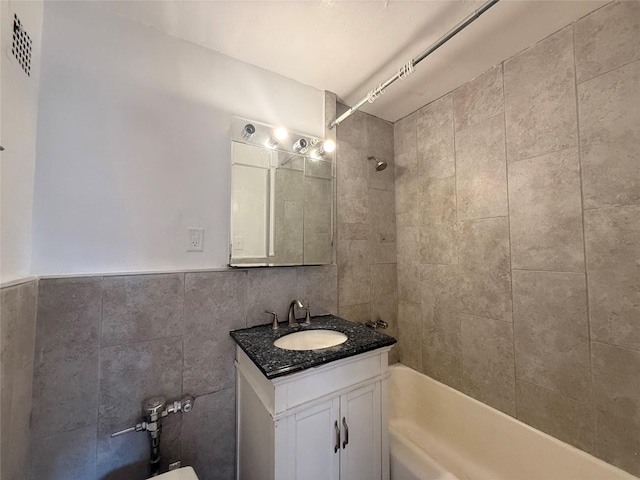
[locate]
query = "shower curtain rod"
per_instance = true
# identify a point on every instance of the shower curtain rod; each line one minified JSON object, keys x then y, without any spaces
{"x":407,"y":69}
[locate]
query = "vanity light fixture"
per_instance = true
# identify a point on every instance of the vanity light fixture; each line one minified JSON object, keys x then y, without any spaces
{"x":248,"y":131}
{"x":300,"y":146}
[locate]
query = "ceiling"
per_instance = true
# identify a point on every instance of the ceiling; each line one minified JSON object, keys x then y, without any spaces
{"x":349,"y":47}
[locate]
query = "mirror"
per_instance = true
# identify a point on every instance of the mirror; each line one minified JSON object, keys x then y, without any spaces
{"x":281,"y":197}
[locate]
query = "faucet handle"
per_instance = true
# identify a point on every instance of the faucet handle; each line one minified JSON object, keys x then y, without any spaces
{"x":307,"y":315}
{"x":274,"y":325}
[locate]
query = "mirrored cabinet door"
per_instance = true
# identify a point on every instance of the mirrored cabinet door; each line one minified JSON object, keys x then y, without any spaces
{"x":282,"y":199}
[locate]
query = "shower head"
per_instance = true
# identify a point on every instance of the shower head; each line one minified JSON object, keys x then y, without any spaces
{"x":380,"y":164}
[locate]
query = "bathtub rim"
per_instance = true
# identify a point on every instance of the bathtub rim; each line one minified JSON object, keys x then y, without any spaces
{"x":616,"y":472}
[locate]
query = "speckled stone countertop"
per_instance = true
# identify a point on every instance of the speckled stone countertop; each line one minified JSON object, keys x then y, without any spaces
{"x":257,"y":343}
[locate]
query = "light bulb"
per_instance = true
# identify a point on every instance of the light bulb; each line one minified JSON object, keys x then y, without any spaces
{"x":329,"y":146}
{"x":281,"y":133}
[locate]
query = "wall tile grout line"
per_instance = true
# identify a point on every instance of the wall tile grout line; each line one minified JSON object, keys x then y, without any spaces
{"x":549,"y":152}
{"x":624,"y":347}
{"x":607,"y":207}
{"x":555,"y":392}
{"x":139,"y":342}
{"x":606,"y":71}
{"x":482,"y":218}
{"x":81,"y":427}
{"x":548,"y":271}
{"x":513,"y":316}
{"x":594,"y":435}
{"x":458,"y":320}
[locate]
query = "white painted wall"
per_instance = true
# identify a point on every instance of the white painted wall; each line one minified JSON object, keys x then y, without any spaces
{"x":134,"y":146}
{"x":18,"y":117}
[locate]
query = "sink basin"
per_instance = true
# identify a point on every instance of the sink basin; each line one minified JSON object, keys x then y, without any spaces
{"x":310,"y":340}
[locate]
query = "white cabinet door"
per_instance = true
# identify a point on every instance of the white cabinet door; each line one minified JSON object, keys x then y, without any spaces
{"x":311,"y":440}
{"x":361,"y":422}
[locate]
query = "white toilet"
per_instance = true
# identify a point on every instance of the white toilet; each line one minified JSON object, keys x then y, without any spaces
{"x":184,"y":473}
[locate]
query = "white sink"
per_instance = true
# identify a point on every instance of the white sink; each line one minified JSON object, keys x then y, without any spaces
{"x":310,"y":340}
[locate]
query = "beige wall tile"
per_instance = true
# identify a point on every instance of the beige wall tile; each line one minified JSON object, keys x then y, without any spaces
{"x":320,"y":288}
{"x":16,"y":449}
{"x":409,"y":264}
{"x":551,"y":331}
{"x":410,"y":334}
{"x":382,"y":215}
{"x":380,"y":145}
{"x":481,"y":170}
{"x":64,"y":455}
{"x":208,"y":363}
{"x":487,"y":362}
{"x":352,"y":132}
{"x":65,"y":389}
{"x":438,"y":201}
{"x":66,"y":367}
{"x":610,"y":136}
{"x":540,"y":98}
{"x":353,"y":231}
{"x":616,"y":388}
{"x":438,"y":243}
{"x":355,"y":313}
{"x":607,"y":39}
{"x":142,"y":307}
{"x":479,"y":99}
{"x":354,"y":273}
{"x":384,"y":293}
{"x":404,"y":135}
{"x":128,"y":375}
{"x":564,"y":418}
{"x":209,"y":436}
{"x":406,"y":175}
{"x":17,"y":345}
{"x":440,"y":304}
{"x":443,"y":366}
{"x":485,"y":271}
{"x":441,"y":357}
{"x":437,"y":217}
{"x":271,"y":289}
{"x":613,"y":268}
{"x":69,"y":312}
{"x":434,"y":131}
{"x":352,"y":185}
{"x":26,"y":314}
{"x":546,"y":213}
{"x":215,"y":302}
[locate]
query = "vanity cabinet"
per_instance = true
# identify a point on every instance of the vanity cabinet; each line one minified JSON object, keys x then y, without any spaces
{"x":326,"y":423}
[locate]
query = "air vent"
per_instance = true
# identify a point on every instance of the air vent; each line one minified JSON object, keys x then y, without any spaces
{"x":21,"y":46}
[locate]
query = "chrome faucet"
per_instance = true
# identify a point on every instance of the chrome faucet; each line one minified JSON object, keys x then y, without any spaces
{"x":292,"y":314}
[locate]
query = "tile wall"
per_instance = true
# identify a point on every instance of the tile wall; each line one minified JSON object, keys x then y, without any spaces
{"x":518,"y":231}
{"x":17,"y":339}
{"x":104,"y":344}
{"x":366,"y":221}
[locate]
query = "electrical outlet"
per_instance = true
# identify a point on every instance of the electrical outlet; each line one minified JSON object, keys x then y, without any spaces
{"x":238,"y":242}
{"x":196,"y":239}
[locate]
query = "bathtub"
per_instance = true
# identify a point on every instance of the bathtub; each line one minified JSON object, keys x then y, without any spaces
{"x":438,"y":433}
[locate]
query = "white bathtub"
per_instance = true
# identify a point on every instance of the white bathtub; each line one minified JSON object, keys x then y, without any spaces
{"x":438,"y":433}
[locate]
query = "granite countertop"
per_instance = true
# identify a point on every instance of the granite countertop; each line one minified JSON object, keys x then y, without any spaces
{"x":273,"y":362}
